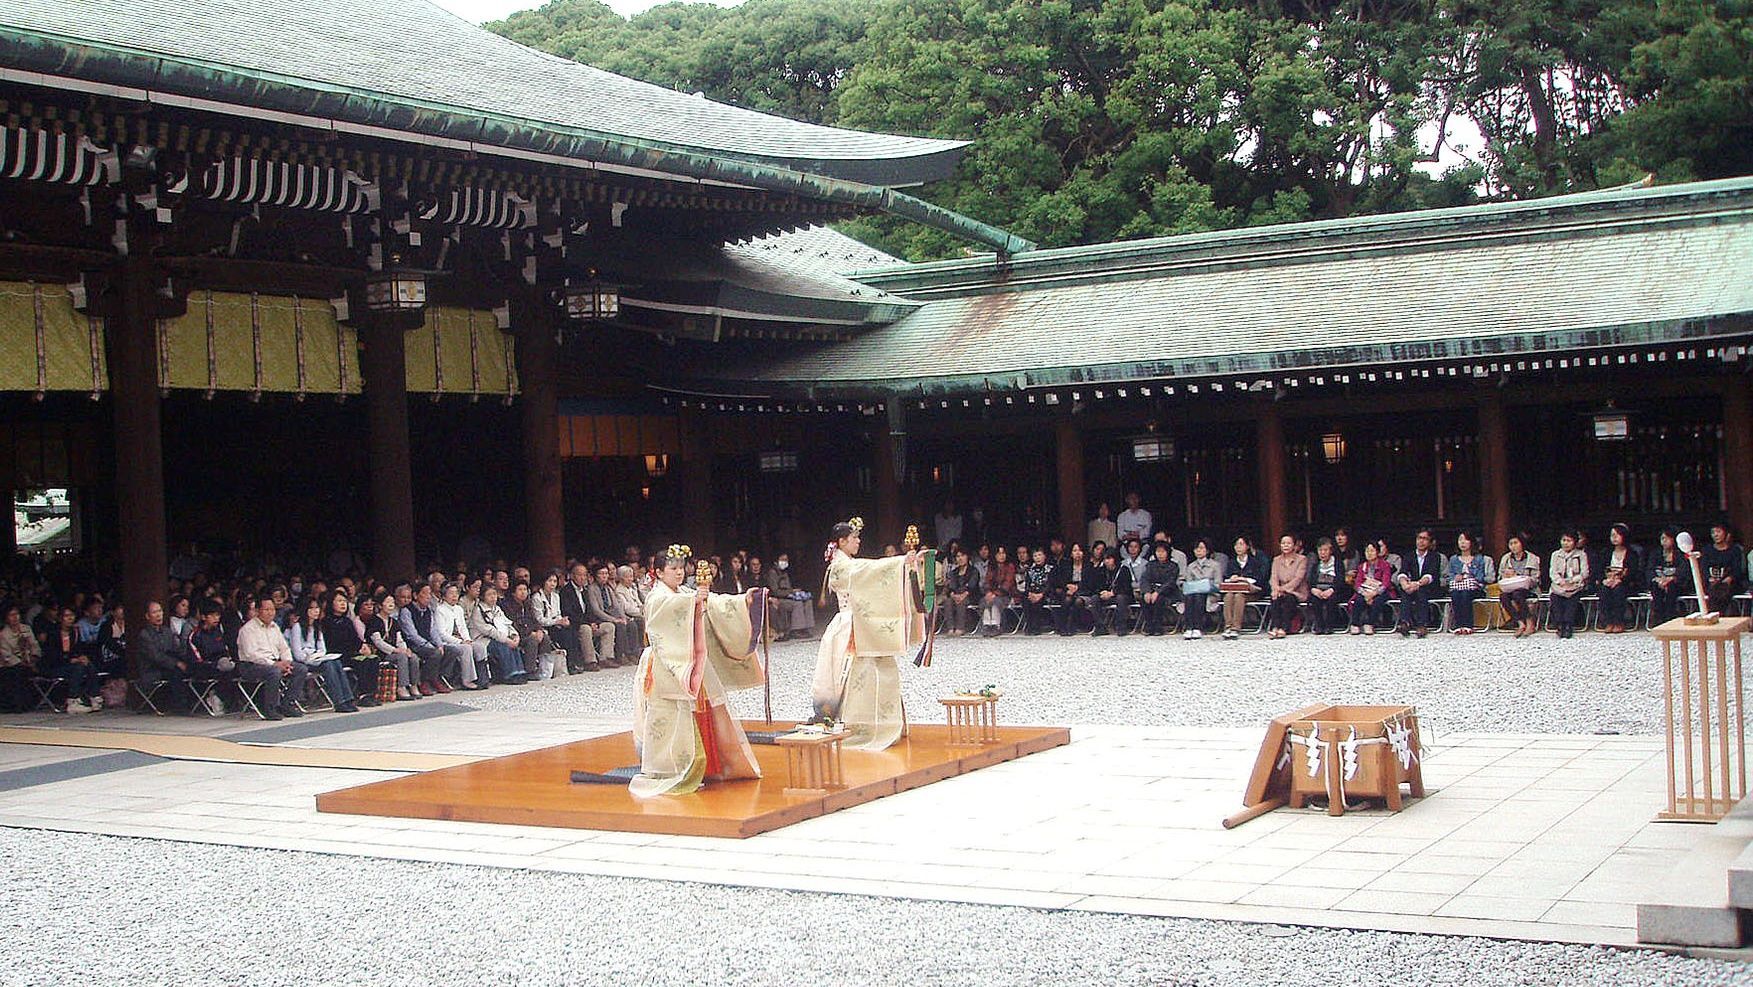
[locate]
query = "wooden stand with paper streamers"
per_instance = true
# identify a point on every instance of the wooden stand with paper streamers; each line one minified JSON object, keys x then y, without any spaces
{"x":1335,"y":752}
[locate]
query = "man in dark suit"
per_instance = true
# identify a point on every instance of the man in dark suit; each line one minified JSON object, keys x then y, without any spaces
{"x":575,"y":606}
{"x":1420,"y":581}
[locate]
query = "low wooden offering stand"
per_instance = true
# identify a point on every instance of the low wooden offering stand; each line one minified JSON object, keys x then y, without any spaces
{"x":1335,"y":752}
{"x":973,"y":719}
{"x":1702,"y":700}
{"x":812,"y":762}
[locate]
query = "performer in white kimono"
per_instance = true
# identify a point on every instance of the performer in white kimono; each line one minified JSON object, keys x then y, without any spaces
{"x":858,"y":680}
{"x":701,"y":646}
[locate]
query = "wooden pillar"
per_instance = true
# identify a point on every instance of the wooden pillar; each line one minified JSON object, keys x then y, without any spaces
{"x":1738,"y":454}
{"x":132,"y":340}
{"x":695,"y":477}
{"x":539,"y":413}
{"x":8,"y":487}
{"x":1494,"y":470}
{"x":889,"y":526}
{"x":384,"y":366}
{"x":1274,"y":506}
{"x":1068,"y":443}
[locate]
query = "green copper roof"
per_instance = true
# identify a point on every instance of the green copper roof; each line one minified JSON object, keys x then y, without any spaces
{"x":441,"y":72}
{"x":1613,"y":269}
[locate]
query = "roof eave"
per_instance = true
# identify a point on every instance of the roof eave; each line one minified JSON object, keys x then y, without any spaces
{"x":161,"y":78}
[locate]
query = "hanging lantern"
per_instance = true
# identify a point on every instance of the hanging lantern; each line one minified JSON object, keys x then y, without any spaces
{"x":592,"y":300}
{"x":656,"y":464}
{"x":395,"y":289}
{"x":1333,"y":447}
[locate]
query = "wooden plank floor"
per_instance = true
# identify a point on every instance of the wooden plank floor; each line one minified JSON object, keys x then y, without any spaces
{"x":535,"y":788}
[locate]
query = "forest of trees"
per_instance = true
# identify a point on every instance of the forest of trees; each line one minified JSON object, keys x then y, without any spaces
{"x":1096,"y":120}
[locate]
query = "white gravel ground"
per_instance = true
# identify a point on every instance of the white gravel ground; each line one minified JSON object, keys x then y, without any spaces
{"x":95,"y":910}
{"x":1489,"y":683}
{"x":100,"y":910}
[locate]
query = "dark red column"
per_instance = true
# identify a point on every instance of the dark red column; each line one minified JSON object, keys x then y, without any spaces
{"x":1494,"y":470}
{"x":139,"y":443}
{"x":889,"y":525}
{"x":384,"y":365}
{"x":544,"y":503}
{"x":1274,"y":506}
{"x":1068,"y":453}
{"x":694,"y":473}
{"x":1738,"y":454}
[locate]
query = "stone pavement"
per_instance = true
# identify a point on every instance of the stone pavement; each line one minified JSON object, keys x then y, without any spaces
{"x":1536,"y":836}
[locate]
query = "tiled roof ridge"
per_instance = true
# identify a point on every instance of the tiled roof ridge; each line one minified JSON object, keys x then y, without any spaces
{"x":1576,"y":213}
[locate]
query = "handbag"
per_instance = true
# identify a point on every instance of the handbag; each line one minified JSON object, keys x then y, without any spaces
{"x":1512,"y":584}
{"x":386,"y":682}
{"x":1196,"y":586}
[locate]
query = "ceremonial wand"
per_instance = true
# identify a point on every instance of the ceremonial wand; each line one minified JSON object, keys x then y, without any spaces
{"x":1683,"y":541}
{"x":927,"y":577}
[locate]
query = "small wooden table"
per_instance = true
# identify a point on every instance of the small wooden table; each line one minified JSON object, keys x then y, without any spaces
{"x":1701,"y":700}
{"x":973,"y":719}
{"x":812,"y":762}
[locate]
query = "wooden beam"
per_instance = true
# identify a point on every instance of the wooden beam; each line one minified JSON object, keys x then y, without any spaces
{"x":1737,"y":393}
{"x":1270,"y":462}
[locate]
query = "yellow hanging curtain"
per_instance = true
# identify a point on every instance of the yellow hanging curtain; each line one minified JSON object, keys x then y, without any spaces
{"x":46,"y":344}
{"x":229,"y":341}
{"x":461,"y":351}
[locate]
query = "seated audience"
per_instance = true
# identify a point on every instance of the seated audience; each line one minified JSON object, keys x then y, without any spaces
{"x":632,"y":602}
{"x":1200,"y":597}
{"x":1468,"y":573}
{"x":70,"y":662}
{"x":1419,"y":582}
{"x":1371,"y":584}
{"x":344,"y":635}
{"x":304,"y":637}
{"x":1328,"y":589}
{"x":1724,"y":566}
{"x":1111,"y":596}
{"x":1037,"y":584}
{"x":419,"y":627}
{"x":793,"y":615}
{"x":1621,"y":575}
{"x":491,"y":629}
{"x":1000,"y":590}
{"x":1518,"y":583}
{"x":1070,"y":590}
{"x":1244,"y":581}
{"x":961,"y":594}
{"x":20,"y":655}
{"x":264,"y":660}
{"x":1289,"y":587}
{"x":1570,"y":579}
{"x":610,"y":622}
{"x":1668,"y":577}
{"x":1156,"y":596}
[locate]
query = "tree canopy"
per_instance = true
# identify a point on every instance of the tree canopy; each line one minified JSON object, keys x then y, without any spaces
{"x":1096,"y":120}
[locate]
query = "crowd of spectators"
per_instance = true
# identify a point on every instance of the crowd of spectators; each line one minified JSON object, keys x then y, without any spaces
{"x":278,"y":643}
{"x":1131,"y":576}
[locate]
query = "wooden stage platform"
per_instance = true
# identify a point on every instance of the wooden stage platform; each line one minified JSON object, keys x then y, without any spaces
{"x":535,"y":788}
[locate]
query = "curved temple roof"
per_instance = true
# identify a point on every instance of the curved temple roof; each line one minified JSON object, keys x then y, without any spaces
{"x":409,"y":64}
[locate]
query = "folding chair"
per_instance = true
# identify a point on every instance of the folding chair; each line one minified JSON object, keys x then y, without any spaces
{"x":203,"y":690}
{"x":313,"y":682}
{"x":1264,"y":610}
{"x":45,"y":686}
{"x":1641,"y":604}
{"x":146,"y":696}
{"x":250,"y":691}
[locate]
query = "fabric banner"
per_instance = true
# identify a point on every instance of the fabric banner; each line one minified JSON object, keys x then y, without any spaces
{"x":46,"y":344}
{"x":228,"y":341}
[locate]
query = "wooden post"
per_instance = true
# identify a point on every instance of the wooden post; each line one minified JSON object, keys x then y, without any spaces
{"x":383,"y":363}
{"x":8,"y":486}
{"x":695,"y":479}
{"x":1737,"y":453}
{"x":1269,"y":439}
{"x":1494,"y":470}
{"x":888,"y":491}
{"x":132,"y":340}
{"x":1069,"y":456}
{"x":544,"y":503}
